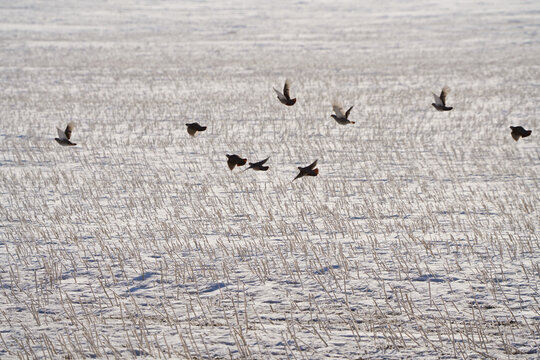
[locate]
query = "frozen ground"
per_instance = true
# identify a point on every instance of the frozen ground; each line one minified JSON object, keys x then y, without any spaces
{"x":419,"y":238}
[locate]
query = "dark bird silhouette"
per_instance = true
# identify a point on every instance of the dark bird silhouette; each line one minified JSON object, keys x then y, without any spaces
{"x":440,"y":101}
{"x":235,"y":160}
{"x":285,"y":97}
{"x":258,"y":166}
{"x":341,"y":116}
{"x":192,"y":128}
{"x":518,"y":131}
{"x":309,"y":170}
{"x":65,"y":135}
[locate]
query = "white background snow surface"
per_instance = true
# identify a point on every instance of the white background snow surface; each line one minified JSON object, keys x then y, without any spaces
{"x":419,"y":237}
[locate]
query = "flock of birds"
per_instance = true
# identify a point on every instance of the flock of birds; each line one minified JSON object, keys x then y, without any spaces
{"x":340,"y":116}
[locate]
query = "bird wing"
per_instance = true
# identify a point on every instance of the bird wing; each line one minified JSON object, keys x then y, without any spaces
{"x":445,"y":91}
{"x":61,"y":134}
{"x":438,"y":100}
{"x":515,"y":135}
{"x":286,"y":89}
{"x":280,"y":95}
{"x":69,"y":130}
{"x":263,"y":161}
{"x":338,"y":109}
{"x":231,"y":163}
{"x":348,"y":112}
{"x":312,"y":165}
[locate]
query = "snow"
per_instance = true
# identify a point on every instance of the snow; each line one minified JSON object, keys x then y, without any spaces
{"x":419,"y":237}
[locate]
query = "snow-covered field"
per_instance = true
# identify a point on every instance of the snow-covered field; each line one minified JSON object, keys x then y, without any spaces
{"x":419,"y":237}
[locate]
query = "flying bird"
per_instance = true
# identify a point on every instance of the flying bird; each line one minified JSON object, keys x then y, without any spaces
{"x":65,"y":135}
{"x":440,"y":101}
{"x":285,"y":98}
{"x":518,"y":131}
{"x":258,"y":166}
{"x":308,"y":170}
{"x":235,"y":160}
{"x":192,"y":128}
{"x":341,"y":116}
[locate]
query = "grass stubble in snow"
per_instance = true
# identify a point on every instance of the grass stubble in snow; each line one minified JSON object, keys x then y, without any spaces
{"x":419,"y":237}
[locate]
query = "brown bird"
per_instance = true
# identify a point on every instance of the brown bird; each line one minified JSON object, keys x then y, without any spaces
{"x":341,"y":117}
{"x":258,"y":166}
{"x":518,"y":131}
{"x":440,"y":101}
{"x":65,"y":135}
{"x":235,"y":160}
{"x":307,"y":171}
{"x":285,"y":97}
{"x":192,"y":128}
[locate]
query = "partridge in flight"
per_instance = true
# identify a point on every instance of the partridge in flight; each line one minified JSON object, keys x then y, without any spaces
{"x":258,"y":166}
{"x":518,"y":131}
{"x":235,"y":160}
{"x":440,"y":101}
{"x":309,"y":170}
{"x":341,"y":117}
{"x":192,"y":128}
{"x":285,"y":98}
{"x":65,"y":135}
